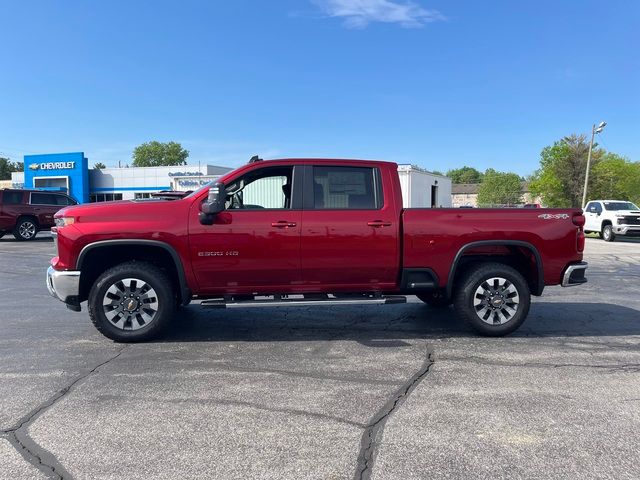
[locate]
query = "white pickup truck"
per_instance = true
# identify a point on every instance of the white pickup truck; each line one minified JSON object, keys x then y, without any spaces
{"x":610,"y":218}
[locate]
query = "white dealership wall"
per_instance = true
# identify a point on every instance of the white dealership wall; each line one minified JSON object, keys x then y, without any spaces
{"x":144,"y":180}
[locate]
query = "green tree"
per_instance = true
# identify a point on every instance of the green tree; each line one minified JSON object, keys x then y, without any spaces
{"x":157,"y":154}
{"x":560,"y":178}
{"x":616,"y":178}
{"x":465,"y":175}
{"x":7,"y":166}
{"x":99,"y":166}
{"x":500,"y":188}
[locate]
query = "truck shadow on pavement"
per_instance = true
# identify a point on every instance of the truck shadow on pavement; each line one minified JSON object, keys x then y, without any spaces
{"x":388,"y":326}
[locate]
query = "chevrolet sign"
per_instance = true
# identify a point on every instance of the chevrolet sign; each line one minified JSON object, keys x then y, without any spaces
{"x":52,"y":166}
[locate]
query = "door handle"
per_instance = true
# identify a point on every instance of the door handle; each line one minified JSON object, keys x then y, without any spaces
{"x":378,"y":224}
{"x":283,"y":224}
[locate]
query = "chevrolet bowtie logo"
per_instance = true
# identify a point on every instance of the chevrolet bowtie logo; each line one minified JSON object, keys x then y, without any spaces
{"x":34,"y":166}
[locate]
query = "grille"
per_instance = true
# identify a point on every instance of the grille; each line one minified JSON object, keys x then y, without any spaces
{"x":629,"y":220}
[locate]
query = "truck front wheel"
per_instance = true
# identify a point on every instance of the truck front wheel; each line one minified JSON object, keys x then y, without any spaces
{"x":607,"y":233}
{"x":132,"y":302}
{"x":493,"y":299}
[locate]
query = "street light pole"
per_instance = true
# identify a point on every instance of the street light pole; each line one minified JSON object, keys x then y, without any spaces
{"x":594,"y":130}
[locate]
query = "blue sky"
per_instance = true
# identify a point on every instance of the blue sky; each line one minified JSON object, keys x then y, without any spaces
{"x":439,"y":83}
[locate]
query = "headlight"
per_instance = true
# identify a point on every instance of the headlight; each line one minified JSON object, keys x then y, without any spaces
{"x":62,"y":221}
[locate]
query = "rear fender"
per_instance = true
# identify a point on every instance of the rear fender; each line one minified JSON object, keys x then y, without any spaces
{"x":537,"y":283}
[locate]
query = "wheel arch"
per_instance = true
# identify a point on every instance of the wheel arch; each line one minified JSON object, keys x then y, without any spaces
{"x":96,"y":257}
{"x":537,"y":278}
{"x":30,"y":216}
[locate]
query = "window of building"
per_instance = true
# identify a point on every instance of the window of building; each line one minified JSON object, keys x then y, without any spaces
{"x":141,"y":195}
{"x":354,"y":188}
{"x":105,"y":197}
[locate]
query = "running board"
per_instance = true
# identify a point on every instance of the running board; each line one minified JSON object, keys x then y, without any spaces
{"x":303,"y":302}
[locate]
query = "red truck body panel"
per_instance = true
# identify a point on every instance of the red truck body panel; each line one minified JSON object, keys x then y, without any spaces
{"x":341,"y":250}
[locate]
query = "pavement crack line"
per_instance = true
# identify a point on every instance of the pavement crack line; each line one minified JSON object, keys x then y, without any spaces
{"x":372,"y":435}
{"x":33,"y":453}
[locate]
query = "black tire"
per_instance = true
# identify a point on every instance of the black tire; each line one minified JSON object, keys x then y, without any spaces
{"x":436,"y":299}
{"x":130,"y":324}
{"x":607,"y":234}
{"x":26,"y":229}
{"x":498,"y":307}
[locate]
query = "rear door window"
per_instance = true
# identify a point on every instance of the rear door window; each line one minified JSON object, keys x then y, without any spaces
{"x":346,"y":188}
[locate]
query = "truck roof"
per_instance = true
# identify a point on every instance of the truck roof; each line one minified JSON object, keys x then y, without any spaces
{"x":353,"y":161}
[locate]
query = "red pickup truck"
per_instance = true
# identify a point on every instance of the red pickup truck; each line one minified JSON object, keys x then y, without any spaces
{"x":307,"y":232}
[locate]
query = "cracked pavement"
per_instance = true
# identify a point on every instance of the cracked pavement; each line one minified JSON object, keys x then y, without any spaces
{"x":329,"y":393}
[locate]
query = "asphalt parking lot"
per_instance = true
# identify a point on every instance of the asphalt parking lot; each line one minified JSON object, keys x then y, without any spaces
{"x":396,"y":392}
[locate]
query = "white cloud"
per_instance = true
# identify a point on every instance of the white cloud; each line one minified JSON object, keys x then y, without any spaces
{"x":359,"y":13}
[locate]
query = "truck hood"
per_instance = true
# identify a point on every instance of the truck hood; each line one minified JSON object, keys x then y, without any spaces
{"x":627,"y":212}
{"x":121,"y":210}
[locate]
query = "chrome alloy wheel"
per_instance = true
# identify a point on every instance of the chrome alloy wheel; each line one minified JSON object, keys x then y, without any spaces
{"x":496,"y":301}
{"x":130,"y":304}
{"x":27,"y":230}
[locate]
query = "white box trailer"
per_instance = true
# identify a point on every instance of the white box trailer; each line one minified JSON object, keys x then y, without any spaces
{"x":423,"y":189}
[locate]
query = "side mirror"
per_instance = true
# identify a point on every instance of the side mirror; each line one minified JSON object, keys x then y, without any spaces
{"x":214,"y":204}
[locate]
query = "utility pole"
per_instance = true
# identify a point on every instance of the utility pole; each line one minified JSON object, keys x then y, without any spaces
{"x":594,"y":131}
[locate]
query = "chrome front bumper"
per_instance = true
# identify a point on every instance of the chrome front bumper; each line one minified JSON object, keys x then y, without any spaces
{"x":64,"y":285}
{"x":574,"y":275}
{"x":626,"y":229}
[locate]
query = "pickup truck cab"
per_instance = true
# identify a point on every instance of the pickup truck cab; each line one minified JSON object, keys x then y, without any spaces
{"x":307,"y":232}
{"x":610,"y":218}
{"x":25,"y":212}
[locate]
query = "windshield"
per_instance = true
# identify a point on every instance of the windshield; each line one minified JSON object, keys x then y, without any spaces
{"x":620,"y":206}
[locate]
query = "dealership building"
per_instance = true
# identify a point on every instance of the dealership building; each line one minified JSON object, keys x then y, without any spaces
{"x":70,"y":173}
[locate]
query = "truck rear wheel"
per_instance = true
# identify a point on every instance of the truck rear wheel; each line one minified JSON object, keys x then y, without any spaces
{"x":132,"y":302}
{"x":493,"y":299}
{"x":436,"y":300}
{"x":26,"y":229}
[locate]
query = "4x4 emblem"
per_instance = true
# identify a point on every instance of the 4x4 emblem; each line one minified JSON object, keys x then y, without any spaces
{"x":549,"y":216}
